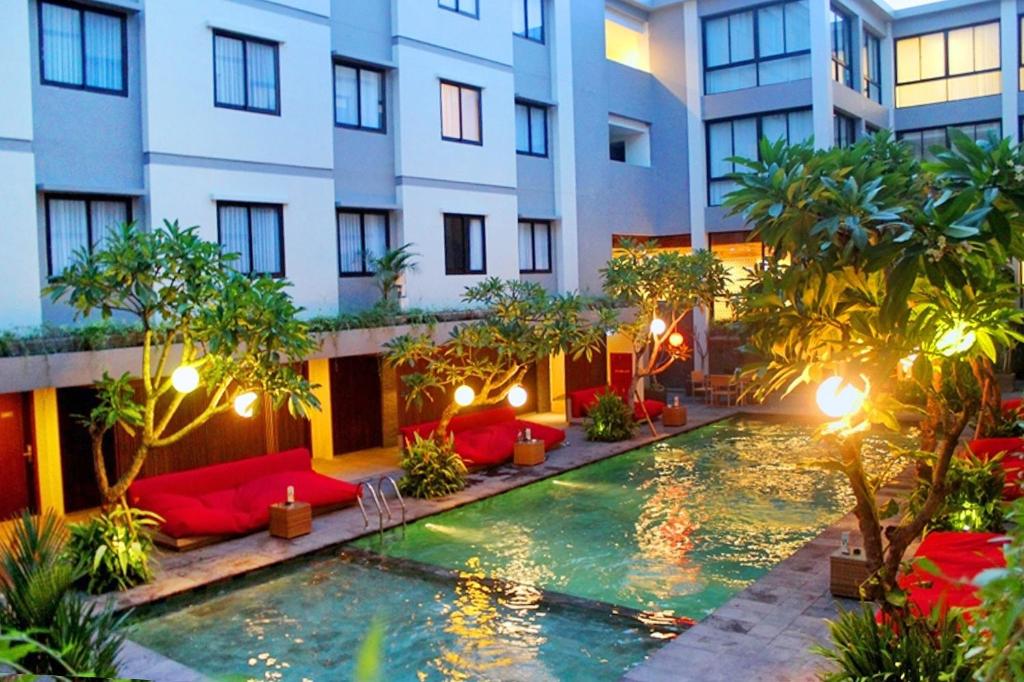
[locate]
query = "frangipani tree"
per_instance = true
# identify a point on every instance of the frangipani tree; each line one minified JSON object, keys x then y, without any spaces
{"x":659,"y":288}
{"x":236,"y":334}
{"x":486,"y":359}
{"x":880,"y":268}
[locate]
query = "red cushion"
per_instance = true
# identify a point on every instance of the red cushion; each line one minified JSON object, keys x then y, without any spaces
{"x":654,"y":409}
{"x":189,"y":516}
{"x":1012,"y":464}
{"x":492,"y":445}
{"x":460,"y":422}
{"x":1012,"y":405}
{"x":959,"y":557}
{"x":984,"y":448}
{"x":584,"y":399}
{"x":256,"y":496}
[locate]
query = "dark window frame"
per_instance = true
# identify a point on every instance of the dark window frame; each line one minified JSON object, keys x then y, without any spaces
{"x":360,"y":67}
{"x":533,"y":246}
{"x":465,"y":219}
{"x":867,"y":82}
{"x":246,"y":39}
{"x":843,"y":125}
{"x":458,"y":8}
{"x":88,"y":199}
{"x":945,"y":67}
{"x":526,"y":23}
{"x":82,"y":9}
{"x":842,"y":66}
{"x":362,"y":212}
{"x":530,"y":106}
{"x":900,"y":134}
{"x":249,"y":205}
{"x":479,"y":111}
{"x":757,"y":59}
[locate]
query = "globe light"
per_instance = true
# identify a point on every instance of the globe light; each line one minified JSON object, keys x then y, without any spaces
{"x":836,"y":398}
{"x":245,"y":404}
{"x":517,"y":396}
{"x":955,"y":341}
{"x":185,"y":379}
{"x":658,"y":326}
{"x":464,"y":395}
{"x":675,"y":340}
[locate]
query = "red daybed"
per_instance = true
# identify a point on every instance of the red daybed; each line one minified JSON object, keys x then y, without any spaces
{"x":1012,"y":463}
{"x":200,"y":505}
{"x":487,"y":438}
{"x":582,"y":400}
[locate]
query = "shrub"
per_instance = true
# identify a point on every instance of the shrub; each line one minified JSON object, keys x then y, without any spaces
{"x":975,"y":498}
{"x":913,"y":650}
{"x":432,"y":468}
{"x":610,"y":419}
{"x":69,"y":637}
{"x":114,"y":548}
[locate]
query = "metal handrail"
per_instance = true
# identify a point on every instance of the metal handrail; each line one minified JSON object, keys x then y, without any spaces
{"x":376,"y":502}
{"x":398,"y":496}
{"x":359,"y":499}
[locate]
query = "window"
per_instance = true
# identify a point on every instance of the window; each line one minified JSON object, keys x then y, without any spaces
{"x":534,"y":246}
{"x":255,"y":232}
{"x":629,"y":141}
{"x":467,"y":7}
{"x":358,"y":97}
{"x":844,"y":130}
{"x":464,"y":245}
{"x":626,"y":40}
{"x":76,"y":222}
{"x":1020,"y":39}
{"x":461,"y":118}
{"x":949,"y":65}
{"x":362,"y":237}
{"x":762,"y":46}
{"x":922,"y":141}
{"x":82,"y":48}
{"x":871,"y":67}
{"x":842,"y":71}
{"x":531,"y":129}
{"x":245,"y":73}
{"x":530,"y":20}
{"x":740,"y":137}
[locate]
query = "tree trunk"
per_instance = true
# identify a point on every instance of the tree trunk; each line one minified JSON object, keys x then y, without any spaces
{"x":866,"y":511}
{"x":991,"y":397}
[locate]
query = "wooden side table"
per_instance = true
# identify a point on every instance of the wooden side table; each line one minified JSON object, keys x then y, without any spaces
{"x":528,"y":453}
{"x":290,"y":520}
{"x":847,"y":573}
{"x":674,"y":416}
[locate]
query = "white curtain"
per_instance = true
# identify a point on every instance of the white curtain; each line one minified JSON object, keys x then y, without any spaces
{"x":539,"y":130}
{"x":741,"y":34}
{"x":785,"y":70}
{"x":68,"y":231}
{"x":371,"y":86}
{"x":986,"y":47}
{"x":541,"y":246}
{"x":262,"y":75}
{"x":103,"y":51}
{"x":350,"y":243}
{"x":773,"y":127}
{"x":535,"y":19}
{"x":718,"y":189}
{"x":522,"y":128}
{"x":519,"y":18}
{"x":234,"y":234}
{"x":801,"y":126}
{"x":720,"y":148}
{"x":229,"y":70}
{"x":745,"y":139}
{"x":770,"y":31}
{"x":476,"y":244}
{"x":345,"y":95}
{"x":106,"y":217}
{"x":470,"y":114}
{"x":735,"y":78}
{"x":525,"y":246}
{"x":450,"y":126}
{"x":716,"y":36}
{"x":266,"y":240}
{"x":376,"y":230}
{"x":62,"y":42}
{"x":798,"y":26}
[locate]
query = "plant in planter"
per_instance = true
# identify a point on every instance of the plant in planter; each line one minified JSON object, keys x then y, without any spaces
{"x":975,"y":498}
{"x":610,"y":419}
{"x":115,"y":548}
{"x":388,"y":270}
{"x":432,"y":468}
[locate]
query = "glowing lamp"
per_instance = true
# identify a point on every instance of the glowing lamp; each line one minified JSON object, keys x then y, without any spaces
{"x":464,"y":395}
{"x":675,"y":340}
{"x":517,"y":396}
{"x":955,"y":341}
{"x":836,"y":398}
{"x":658,"y":326}
{"x":245,"y":404}
{"x":185,"y":379}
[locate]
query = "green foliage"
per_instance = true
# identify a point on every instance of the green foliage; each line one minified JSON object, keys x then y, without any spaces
{"x":388,"y":270}
{"x":68,"y":636}
{"x":975,"y":498}
{"x":912,"y":650}
{"x":115,"y":548}
{"x":609,"y":419}
{"x":432,"y":468}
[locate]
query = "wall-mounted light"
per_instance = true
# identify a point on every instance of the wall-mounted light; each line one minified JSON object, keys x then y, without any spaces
{"x":464,"y":395}
{"x":245,"y":404}
{"x":185,"y":379}
{"x":658,"y":326}
{"x":517,"y":396}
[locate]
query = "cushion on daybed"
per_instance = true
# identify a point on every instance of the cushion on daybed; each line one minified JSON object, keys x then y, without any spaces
{"x":582,"y":400}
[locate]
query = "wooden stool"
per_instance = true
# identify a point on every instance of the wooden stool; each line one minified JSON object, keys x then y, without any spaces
{"x":527,"y":453}
{"x":290,"y":520}
{"x":674,"y":415}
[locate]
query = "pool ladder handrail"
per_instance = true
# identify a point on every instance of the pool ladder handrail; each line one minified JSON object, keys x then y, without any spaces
{"x":376,"y":502}
{"x":398,"y":496}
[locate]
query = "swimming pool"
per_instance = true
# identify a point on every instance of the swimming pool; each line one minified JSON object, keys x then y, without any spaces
{"x":537,"y":583}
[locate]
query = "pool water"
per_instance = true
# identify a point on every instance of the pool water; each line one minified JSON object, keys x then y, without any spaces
{"x":527,"y":585}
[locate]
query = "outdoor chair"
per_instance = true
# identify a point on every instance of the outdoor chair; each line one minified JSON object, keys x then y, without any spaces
{"x":699,"y":385}
{"x":722,"y":386}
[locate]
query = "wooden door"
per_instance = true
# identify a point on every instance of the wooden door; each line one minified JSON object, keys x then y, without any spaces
{"x":356,"y":403}
{"x":15,"y":456}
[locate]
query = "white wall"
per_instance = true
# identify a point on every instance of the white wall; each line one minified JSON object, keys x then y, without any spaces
{"x":15,"y":72}
{"x":489,"y":37}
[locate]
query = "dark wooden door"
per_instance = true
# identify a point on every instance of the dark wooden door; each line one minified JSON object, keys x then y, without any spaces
{"x":356,"y":403}
{"x":80,"y":488}
{"x":15,"y":467}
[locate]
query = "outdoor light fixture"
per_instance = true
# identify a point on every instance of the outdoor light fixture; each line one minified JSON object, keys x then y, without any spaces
{"x":517,"y":396}
{"x":956,"y":340}
{"x":245,"y":404}
{"x":658,"y":326}
{"x":185,"y":379}
{"x":837,"y":398}
{"x":676,"y":340}
{"x":464,"y":395}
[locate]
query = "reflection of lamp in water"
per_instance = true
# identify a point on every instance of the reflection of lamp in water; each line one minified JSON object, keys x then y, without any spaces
{"x":464,"y":395}
{"x":837,"y":398}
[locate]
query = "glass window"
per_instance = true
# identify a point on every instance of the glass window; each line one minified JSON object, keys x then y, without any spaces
{"x":358,"y":97}
{"x":245,"y":73}
{"x":464,"y":245}
{"x":529,"y":19}
{"x":626,"y":40}
{"x":948,"y":65}
{"x":460,"y":113}
{"x":467,"y":7}
{"x":842,"y":70}
{"x":739,"y":138}
{"x":534,"y":246}
{"x":871,"y":67}
{"x":78,"y":224}
{"x":82,"y":48}
{"x":256,"y":233}
{"x":844,"y":130}
{"x":757,"y":47}
{"x":362,"y":238}
{"x":923,"y":140}
{"x":531,"y":129}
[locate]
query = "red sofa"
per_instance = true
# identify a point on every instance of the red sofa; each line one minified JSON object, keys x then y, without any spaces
{"x":1012,"y":463}
{"x":582,"y":400}
{"x":487,"y":438}
{"x":235,"y":498}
